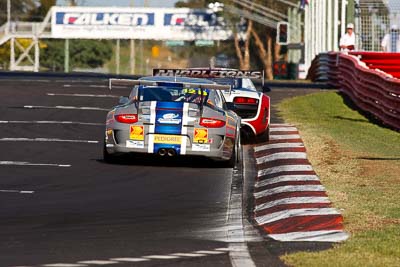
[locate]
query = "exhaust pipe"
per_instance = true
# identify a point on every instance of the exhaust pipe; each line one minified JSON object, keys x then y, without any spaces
{"x":171,"y":152}
{"x":162,"y":152}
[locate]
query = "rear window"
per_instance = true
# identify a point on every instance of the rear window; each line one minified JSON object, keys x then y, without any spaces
{"x":168,"y":94}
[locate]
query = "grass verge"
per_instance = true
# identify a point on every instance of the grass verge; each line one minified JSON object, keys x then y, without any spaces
{"x":359,"y":164}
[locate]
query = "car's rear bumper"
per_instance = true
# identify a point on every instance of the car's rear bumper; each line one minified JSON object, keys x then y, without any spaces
{"x":220,"y":149}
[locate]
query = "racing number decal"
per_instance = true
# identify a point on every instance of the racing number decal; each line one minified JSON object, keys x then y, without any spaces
{"x":136,"y":132}
{"x":193,"y":91}
{"x":200,"y":135}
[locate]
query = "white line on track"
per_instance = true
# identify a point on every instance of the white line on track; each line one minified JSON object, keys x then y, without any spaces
{"x":291,"y":200}
{"x":188,"y":254}
{"x":65,"y":107}
{"x":160,"y":257}
{"x":16,"y":191}
{"x":7,"y":139}
{"x":239,"y":253}
{"x":284,"y":168}
{"x":98,"y":86}
{"x":193,"y":254}
{"x":278,"y":145}
{"x":284,"y":136}
{"x":210,"y":252}
{"x":52,"y":122}
{"x":280,"y":215}
{"x":25,"y":80}
{"x":98,"y":262}
{"x":289,"y":188}
{"x":281,"y":155}
{"x":23,"y":163}
{"x":80,"y":81}
{"x":84,"y":95}
{"x":129,"y":259}
{"x":286,"y":178}
{"x":64,"y":265}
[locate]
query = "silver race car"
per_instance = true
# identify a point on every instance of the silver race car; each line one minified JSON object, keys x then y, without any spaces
{"x":173,"y":116}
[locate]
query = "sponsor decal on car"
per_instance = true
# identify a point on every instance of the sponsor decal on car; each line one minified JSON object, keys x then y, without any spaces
{"x":208,"y":73}
{"x":200,"y":147}
{"x":170,"y":118}
{"x":167,"y":139}
{"x":134,"y":144}
{"x":109,"y":133}
{"x":200,"y":135}
{"x":136,"y":132}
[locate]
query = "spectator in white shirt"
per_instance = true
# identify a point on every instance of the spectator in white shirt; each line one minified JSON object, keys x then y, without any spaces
{"x":348,"y":40}
{"x":391,"y":41}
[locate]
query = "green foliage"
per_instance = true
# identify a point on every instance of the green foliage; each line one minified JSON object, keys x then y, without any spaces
{"x":20,"y":10}
{"x":194,"y":3}
{"x":83,"y":54}
{"x":40,"y":13}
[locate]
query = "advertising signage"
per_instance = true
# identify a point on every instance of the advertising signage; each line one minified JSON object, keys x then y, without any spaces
{"x":138,"y":23}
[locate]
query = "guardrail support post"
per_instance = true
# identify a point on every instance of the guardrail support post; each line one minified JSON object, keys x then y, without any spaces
{"x":117,"y":59}
{"x":66,"y":56}
{"x":132,"y":56}
{"x":12,"y":53}
{"x":37,"y":54}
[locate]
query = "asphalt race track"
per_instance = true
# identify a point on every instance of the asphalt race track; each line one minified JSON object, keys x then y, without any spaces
{"x":61,"y":205}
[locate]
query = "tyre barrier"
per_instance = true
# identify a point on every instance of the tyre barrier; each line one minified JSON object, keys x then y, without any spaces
{"x":370,"y":79}
{"x":290,"y":202}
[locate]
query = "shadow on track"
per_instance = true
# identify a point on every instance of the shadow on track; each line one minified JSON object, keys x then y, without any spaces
{"x":158,"y":161}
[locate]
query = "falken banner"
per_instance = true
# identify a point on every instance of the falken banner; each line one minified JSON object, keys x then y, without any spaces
{"x":137,"y":23}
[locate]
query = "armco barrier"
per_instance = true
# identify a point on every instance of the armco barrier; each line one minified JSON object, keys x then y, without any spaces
{"x":324,"y":69}
{"x":373,"y":91}
{"x":387,"y":62}
{"x":370,"y":79}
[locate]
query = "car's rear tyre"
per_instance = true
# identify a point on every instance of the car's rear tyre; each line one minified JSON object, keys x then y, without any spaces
{"x":107,"y":157}
{"x":231,"y":163}
{"x":235,"y":157}
{"x":264,"y":137}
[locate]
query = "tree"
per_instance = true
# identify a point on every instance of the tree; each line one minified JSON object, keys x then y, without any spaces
{"x":40,"y":13}
{"x":193,"y":3}
{"x":20,"y":10}
{"x":243,"y":54}
{"x":84,"y":54}
{"x":265,"y":54}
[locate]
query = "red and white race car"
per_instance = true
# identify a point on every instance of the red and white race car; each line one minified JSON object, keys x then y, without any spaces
{"x":251,"y":105}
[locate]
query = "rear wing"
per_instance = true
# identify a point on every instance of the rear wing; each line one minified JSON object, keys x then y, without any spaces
{"x":130,"y":82}
{"x":209,"y":73}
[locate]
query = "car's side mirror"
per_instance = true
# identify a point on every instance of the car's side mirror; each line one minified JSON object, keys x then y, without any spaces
{"x":230,"y":105}
{"x":123,"y":100}
{"x":266,"y":88}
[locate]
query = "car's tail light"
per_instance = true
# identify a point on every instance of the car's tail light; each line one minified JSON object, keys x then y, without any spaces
{"x":126,"y":118}
{"x":245,"y":100}
{"x":211,"y":123}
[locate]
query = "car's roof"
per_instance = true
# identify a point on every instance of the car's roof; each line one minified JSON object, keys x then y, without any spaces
{"x":176,"y":79}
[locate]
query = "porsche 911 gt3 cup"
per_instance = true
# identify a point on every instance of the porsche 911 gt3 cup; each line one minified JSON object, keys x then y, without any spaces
{"x":251,"y":105}
{"x":173,"y":117}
